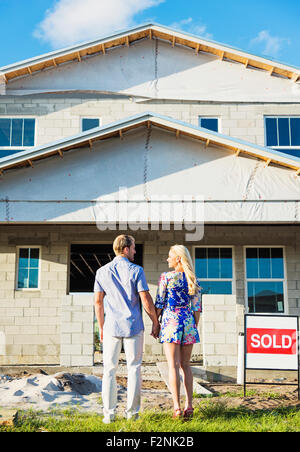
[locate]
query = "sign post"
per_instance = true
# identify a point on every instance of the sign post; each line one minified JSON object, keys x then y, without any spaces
{"x":271,"y":343}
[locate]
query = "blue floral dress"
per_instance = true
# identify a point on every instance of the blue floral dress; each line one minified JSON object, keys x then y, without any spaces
{"x":178,"y":322}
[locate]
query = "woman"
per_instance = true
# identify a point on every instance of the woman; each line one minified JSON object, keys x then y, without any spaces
{"x":179,"y":301}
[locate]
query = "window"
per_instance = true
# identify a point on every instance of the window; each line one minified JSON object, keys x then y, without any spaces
{"x":28,"y":268}
{"x":283,"y":134}
{"x":214,"y":268}
{"x":265,"y":280}
{"x":16,"y":134}
{"x":89,"y":123}
{"x":209,"y":123}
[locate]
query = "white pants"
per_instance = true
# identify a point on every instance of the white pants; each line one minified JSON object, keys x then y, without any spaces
{"x":133,"y":347}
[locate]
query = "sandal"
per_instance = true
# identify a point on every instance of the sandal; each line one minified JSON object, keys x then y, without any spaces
{"x":177,"y":413}
{"x":188,"y":413}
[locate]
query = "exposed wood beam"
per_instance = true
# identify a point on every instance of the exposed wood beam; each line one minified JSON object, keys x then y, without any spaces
{"x":5,"y":78}
{"x":79,"y":56}
{"x":197,"y":48}
{"x":30,"y":163}
{"x":173,"y":41}
{"x":207,"y":143}
{"x":127,"y":41}
{"x":91,"y":145}
{"x":268,"y":162}
{"x":148,"y":124}
{"x":298,"y":172}
{"x":237,"y":152}
{"x":91,"y":270}
{"x":246,"y":63}
{"x":54,"y":62}
{"x":222,"y":55}
{"x":60,"y":153}
{"x":103,"y":49}
{"x":73,"y":263}
{"x":29,"y":70}
{"x":295,"y":77}
{"x":177,"y":133}
{"x":121,"y":134}
{"x":150,"y":34}
{"x":99,"y":263}
{"x":271,"y":71}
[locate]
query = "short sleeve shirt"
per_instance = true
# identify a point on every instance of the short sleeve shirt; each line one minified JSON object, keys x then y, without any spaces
{"x":121,"y":280}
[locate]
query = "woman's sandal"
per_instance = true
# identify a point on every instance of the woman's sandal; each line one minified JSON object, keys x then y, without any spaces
{"x":177,"y":413}
{"x":188,"y":413}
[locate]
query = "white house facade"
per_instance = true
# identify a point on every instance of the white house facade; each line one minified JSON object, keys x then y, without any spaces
{"x":148,"y":117}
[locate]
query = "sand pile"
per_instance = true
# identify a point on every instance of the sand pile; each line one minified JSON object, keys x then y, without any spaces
{"x":42,"y":392}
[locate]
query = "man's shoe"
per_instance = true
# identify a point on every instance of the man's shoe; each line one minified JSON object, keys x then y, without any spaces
{"x":108,"y":419}
{"x":133,"y":417}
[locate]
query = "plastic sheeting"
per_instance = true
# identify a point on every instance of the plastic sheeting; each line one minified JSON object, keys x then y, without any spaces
{"x":153,"y":69}
{"x":150,"y":166}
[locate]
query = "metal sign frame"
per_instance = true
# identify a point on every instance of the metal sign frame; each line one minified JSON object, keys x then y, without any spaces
{"x":283,"y":370}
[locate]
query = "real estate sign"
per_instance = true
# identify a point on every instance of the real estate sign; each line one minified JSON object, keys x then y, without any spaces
{"x":271,"y":342}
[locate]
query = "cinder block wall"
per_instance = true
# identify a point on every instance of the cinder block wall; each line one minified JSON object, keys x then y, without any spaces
{"x":60,"y":116}
{"x":32,"y":320}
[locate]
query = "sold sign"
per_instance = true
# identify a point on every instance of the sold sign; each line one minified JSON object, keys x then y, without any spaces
{"x":272,"y":341}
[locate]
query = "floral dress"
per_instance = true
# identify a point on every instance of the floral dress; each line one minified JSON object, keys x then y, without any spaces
{"x":178,"y":322}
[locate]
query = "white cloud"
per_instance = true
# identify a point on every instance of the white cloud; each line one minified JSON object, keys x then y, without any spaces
{"x":270,"y":45}
{"x":73,"y":21}
{"x":190,"y":26}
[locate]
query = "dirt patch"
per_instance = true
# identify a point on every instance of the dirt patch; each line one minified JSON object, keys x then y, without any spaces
{"x":146,"y":384}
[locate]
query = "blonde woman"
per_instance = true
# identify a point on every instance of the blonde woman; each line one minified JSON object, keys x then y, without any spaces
{"x":178,"y":300}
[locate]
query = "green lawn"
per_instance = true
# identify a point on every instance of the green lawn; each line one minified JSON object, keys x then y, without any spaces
{"x":210,"y":416}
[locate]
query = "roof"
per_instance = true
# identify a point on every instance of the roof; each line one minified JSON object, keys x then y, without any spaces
{"x":146,"y":31}
{"x":148,"y":119}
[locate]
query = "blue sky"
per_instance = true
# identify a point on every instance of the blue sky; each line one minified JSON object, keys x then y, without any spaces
{"x":264,"y":27}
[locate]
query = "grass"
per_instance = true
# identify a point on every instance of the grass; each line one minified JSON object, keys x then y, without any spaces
{"x":211,"y":415}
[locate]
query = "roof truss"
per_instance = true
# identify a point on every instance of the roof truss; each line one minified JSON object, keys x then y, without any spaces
{"x":149,"y":31}
{"x":118,"y":130}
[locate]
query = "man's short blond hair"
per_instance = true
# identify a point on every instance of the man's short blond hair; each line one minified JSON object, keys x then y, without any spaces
{"x":121,"y":242}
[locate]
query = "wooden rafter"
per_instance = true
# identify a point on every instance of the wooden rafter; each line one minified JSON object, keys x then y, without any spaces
{"x":88,"y":266}
{"x":91,"y":145}
{"x":121,"y":134}
{"x":54,"y":62}
{"x":29,"y":70}
{"x":73,"y":263}
{"x":237,"y":152}
{"x":298,"y":172}
{"x":103,"y":49}
{"x":177,"y":133}
{"x":79,"y":56}
{"x":127,"y":41}
{"x":197,"y":48}
{"x":60,"y":153}
{"x":268,"y":162}
{"x":150,"y":33}
{"x":295,"y":77}
{"x":207,"y":143}
{"x":173,"y":41}
{"x":30,"y":163}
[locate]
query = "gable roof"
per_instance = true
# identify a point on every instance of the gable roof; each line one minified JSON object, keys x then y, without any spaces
{"x":148,"y":119}
{"x":150,"y":31}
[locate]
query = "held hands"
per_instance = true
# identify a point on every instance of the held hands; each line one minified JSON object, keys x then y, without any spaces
{"x":155,"y":330}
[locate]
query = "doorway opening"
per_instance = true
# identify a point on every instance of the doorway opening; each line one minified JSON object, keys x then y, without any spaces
{"x":85,"y":259}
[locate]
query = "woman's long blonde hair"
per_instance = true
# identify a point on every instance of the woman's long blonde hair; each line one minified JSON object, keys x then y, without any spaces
{"x":187,"y":264}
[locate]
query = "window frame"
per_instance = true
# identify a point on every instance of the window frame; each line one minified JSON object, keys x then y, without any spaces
{"x":280,"y":148}
{"x":232,"y":280}
{"x":284,"y":280}
{"x":218,"y":118}
{"x":20,"y":148}
{"x":26,"y":289}
{"x":89,"y":117}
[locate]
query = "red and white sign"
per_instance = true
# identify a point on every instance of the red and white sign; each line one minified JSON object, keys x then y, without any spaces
{"x":271,"y":342}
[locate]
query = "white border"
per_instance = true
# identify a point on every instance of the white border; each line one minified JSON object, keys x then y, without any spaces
{"x":26,"y":289}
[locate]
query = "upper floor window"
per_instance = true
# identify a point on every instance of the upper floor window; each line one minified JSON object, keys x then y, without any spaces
{"x":214,"y":268}
{"x":209,"y":123}
{"x":28,"y":268}
{"x":283,"y":134}
{"x":16,"y":134}
{"x":89,"y":123}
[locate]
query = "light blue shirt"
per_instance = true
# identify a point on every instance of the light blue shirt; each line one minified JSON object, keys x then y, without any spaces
{"x":121,"y":280}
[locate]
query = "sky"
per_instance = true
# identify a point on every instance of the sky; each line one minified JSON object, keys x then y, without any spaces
{"x":268,"y":28}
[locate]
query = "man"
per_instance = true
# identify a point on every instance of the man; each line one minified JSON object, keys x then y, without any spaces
{"x":122,"y":282}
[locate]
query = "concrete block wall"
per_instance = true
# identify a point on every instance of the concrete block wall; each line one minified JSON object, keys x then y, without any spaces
{"x":59,"y":116}
{"x":77,"y":330}
{"x":222,"y":321}
{"x":33,"y":324}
